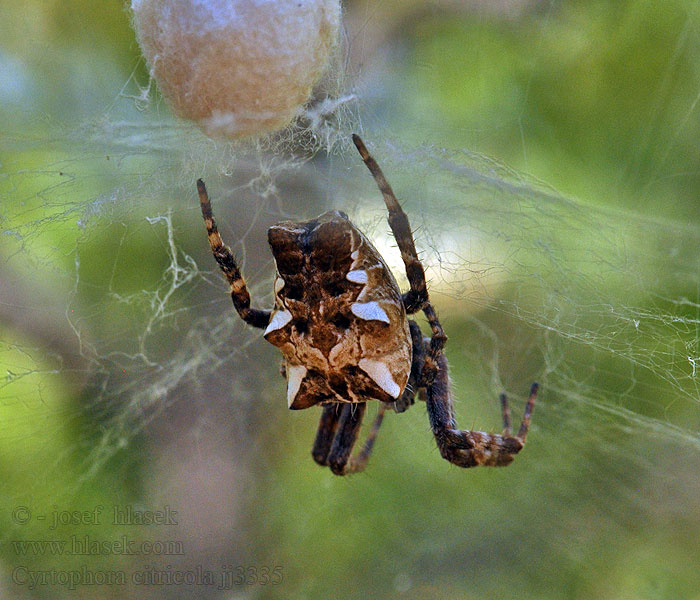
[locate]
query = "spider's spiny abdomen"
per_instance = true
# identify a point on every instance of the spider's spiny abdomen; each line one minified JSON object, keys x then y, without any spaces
{"x":339,"y":319}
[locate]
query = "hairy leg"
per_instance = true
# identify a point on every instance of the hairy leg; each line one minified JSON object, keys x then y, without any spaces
{"x":417,"y":363}
{"x":222,"y":254}
{"x":472,"y":448}
{"x":417,"y":297}
{"x":398,"y":221}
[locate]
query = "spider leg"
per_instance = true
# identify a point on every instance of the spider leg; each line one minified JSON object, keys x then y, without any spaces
{"x":327,"y":427}
{"x":359,"y":462}
{"x":435,"y":348}
{"x":417,"y":363}
{"x":337,"y":435}
{"x":527,"y":414}
{"x":505,"y":410}
{"x":345,"y":437}
{"x":223,"y":256}
{"x":463,"y":448}
{"x":417,"y":296}
{"x":472,"y":448}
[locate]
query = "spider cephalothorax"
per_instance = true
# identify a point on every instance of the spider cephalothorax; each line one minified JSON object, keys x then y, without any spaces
{"x":340,"y":321}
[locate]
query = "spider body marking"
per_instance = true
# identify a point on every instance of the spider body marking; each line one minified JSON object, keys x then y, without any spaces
{"x":341,"y":324}
{"x":339,"y":319}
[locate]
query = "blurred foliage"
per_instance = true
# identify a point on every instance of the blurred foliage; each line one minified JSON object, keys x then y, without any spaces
{"x":597,"y":98}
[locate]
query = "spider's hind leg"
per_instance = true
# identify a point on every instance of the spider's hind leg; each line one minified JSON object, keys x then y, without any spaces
{"x":473,"y":448}
{"x":327,"y":427}
{"x":337,"y":435}
{"x":358,"y":462}
{"x":345,"y":437}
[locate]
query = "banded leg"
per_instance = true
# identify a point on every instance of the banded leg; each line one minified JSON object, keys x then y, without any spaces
{"x":472,"y":448}
{"x":435,"y":348}
{"x":527,"y":414}
{"x":223,"y":256}
{"x":417,"y":297}
{"x":398,"y":221}
{"x":505,"y":410}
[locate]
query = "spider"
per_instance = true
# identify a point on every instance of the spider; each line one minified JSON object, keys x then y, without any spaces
{"x":341,"y":324}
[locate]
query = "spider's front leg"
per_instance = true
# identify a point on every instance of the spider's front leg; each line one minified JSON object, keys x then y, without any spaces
{"x":222,"y":254}
{"x":473,"y":448}
{"x":417,"y":297}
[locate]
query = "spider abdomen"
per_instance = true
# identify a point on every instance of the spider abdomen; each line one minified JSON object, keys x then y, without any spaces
{"x":339,"y":319}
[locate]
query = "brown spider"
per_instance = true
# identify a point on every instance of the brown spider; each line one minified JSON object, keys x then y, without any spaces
{"x":340,"y":321}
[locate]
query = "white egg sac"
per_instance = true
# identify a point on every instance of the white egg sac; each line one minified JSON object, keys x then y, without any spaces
{"x":238,"y":68}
